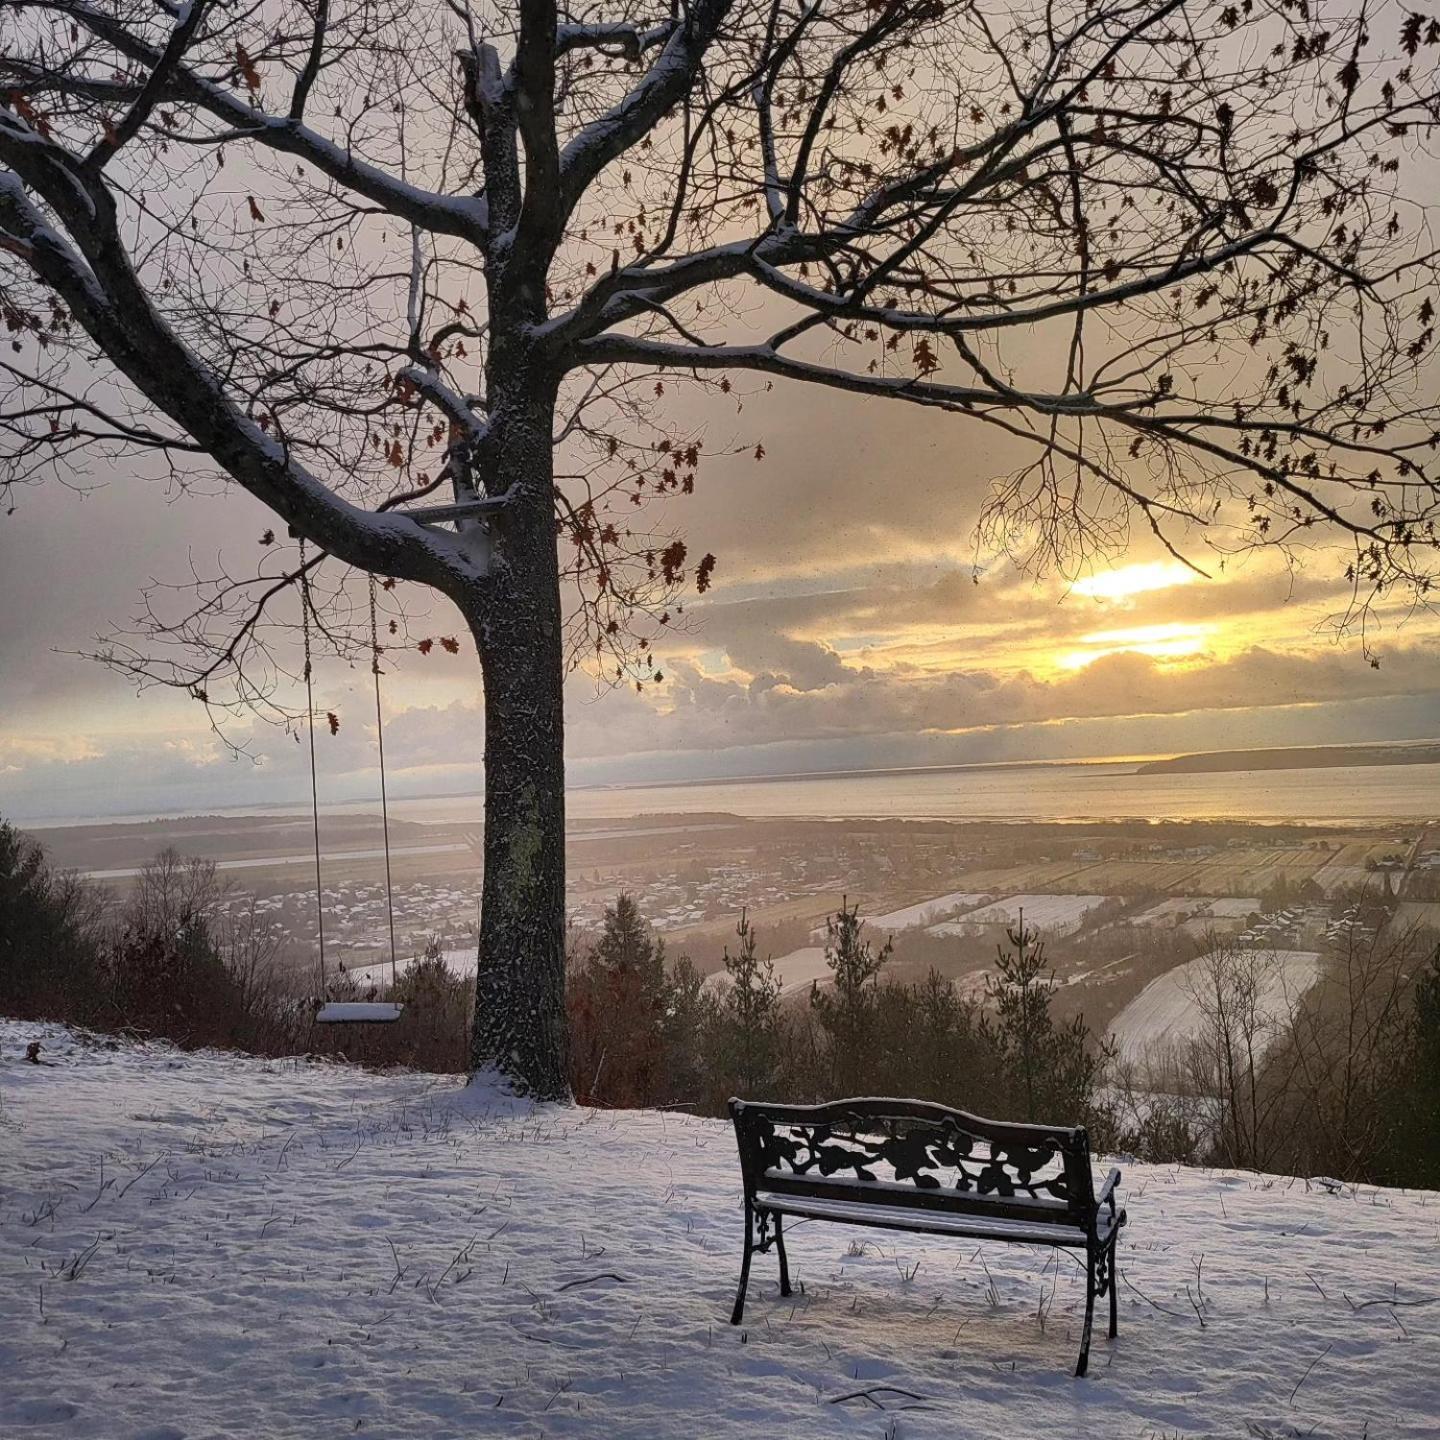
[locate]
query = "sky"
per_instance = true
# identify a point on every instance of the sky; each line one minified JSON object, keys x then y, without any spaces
{"x":852,"y":624}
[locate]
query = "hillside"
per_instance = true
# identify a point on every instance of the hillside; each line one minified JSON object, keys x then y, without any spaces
{"x":205,"y":1245}
{"x":1299,"y":757}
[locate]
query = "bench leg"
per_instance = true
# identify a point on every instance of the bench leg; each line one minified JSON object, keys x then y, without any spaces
{"x":784,"y":1260}
{"x":738,"y":1313}
{"x":1114,"y":1273}
{"x":1083,"y":1363}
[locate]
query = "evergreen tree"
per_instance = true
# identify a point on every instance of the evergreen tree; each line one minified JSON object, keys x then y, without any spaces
{"x":1418,"y":1142}
{"x":1050,"y":1071}
{"x":618,"y":1010}
{"x":690,"y":1017}
{"x":746,"y":1037}
{"x":846,"y":1011}
{"x":47,"y":948}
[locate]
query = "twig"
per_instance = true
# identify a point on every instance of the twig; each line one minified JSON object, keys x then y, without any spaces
{"x":1309,"y":1368}
{"x":1389,"y":1304}
{"x":104,"y":1186}
{"x":591,"y":1280}
{"x":868,"y":1395}
{"x":120,"y":1194}
{"x":546,"y":1340}
{"x":1148,"y":1300}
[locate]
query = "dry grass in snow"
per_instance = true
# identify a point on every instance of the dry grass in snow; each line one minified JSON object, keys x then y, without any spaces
{"x":206,"y":1245}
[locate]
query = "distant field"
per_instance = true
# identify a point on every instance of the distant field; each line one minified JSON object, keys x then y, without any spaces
{"x":1416,"y":913}
{"x":1239,"y":871}
{"x":795,"y":971}
{"x":1165,"y":1013}
{"x":1056,"y":914}
{"x":927,"y":912}
{"x":457,"y":962}
{"x":1219,"y":907}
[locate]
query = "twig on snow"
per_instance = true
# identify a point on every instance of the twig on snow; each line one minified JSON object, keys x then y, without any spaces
{"x":1309,"y":1368}
{"x":870,"y":1394}
{"x":592,"y":1279}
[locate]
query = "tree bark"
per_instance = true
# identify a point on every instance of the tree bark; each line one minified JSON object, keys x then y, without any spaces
{"x":515,"y":616}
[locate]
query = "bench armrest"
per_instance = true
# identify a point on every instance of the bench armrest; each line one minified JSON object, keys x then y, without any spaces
{"x":1107,"y":1190}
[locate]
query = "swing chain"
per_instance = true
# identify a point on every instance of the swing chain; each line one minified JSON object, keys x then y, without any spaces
{"x":374,"y":633}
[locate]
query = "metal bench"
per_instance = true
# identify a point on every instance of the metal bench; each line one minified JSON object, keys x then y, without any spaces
{"x":912,"y":1165}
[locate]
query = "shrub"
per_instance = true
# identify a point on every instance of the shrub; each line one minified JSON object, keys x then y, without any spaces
{"x":49,"y":955}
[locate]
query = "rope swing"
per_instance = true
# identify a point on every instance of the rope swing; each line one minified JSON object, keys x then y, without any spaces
{"x":384,"y":800}
{"x":344,"y":1012}
{"x":314,"y":781}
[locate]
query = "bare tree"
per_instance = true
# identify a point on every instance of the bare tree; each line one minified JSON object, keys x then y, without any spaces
{"x":1244,"y":1010}
{"x":348,"y":255}
{"x":1345,"y":1049}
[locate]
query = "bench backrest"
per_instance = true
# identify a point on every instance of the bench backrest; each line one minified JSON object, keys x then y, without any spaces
{"x":914,"y":1153}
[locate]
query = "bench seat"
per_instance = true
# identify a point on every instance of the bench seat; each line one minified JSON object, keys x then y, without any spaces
{"x":912,"y":1217}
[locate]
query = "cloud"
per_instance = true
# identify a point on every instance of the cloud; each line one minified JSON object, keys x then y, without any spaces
{"x":848,"y":627}
{"x":706,"y":713}
{"x":772,"y":656}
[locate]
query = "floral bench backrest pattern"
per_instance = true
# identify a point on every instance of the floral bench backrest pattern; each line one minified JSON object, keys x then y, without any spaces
{"x":915,"y":1153}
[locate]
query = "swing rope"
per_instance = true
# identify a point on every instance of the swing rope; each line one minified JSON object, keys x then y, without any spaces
{"x":306,"y":606}
{"x":314,"y":782}
{"x":384,"y":800}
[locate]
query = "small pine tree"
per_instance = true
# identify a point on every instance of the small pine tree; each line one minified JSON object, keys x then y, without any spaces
{"x":618,"y":1008}
{"x":846,"y":1011}
{"x":1416,"y":1146}
{"x":746,"y":1047}
{"x":1051,"y":1072}
{"x":690,"y":1011}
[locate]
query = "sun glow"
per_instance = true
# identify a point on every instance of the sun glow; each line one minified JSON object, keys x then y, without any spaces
{"x":1131,"y":580}
{"x":1166,"y":642}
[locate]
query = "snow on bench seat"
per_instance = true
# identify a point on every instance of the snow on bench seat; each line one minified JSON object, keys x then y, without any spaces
{"x":349,"y":1012}
{"x":911,"y":1217}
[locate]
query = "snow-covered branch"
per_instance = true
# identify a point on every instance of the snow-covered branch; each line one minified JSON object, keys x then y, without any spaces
{"x":464,"y":216}
{"x":91,"y":271}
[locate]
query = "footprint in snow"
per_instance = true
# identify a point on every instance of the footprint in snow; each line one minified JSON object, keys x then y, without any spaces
{"x":42,"y":1412}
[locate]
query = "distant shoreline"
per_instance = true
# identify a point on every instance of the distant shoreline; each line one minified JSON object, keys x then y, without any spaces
{"x":1299,"y":757}
{"x":1098,"y":770}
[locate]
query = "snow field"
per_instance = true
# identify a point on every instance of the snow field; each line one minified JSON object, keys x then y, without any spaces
{"x":1055,"y":914}
{"x":205,"y":1245}
{"x":926,"y":912}
{"x":1215,"y":907}
{"x":794,"y":972}
{"x":460,"y":963}
{"x":1165,"y":1013}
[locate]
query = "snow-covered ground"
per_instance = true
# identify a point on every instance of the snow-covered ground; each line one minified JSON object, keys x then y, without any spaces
{"x":460,"y":962}
{"x":1165,"y":1013}
{"x":212,"y":1246}
{"x":795,"y":972}
{"x":1054,"y":914}
{"x":926,"y":912}
{"x":1218,"y":907}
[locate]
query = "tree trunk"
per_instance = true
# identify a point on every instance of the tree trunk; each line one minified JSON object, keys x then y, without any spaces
{"x":516,"y":619}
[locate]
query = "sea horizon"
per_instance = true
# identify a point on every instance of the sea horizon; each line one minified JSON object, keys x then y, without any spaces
{"x":1304,"y":794}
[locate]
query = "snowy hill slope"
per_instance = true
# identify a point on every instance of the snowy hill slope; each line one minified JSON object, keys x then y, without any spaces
{"x":211,"y":1246}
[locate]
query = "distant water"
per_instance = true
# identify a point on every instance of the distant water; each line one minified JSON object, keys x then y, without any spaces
{"x":1073,"y":793}
{"x":1346,"y":794}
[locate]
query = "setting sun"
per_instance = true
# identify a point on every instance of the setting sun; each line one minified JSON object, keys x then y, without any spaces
{"x":1170,"y":642}
{"x":1131,"y":580}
